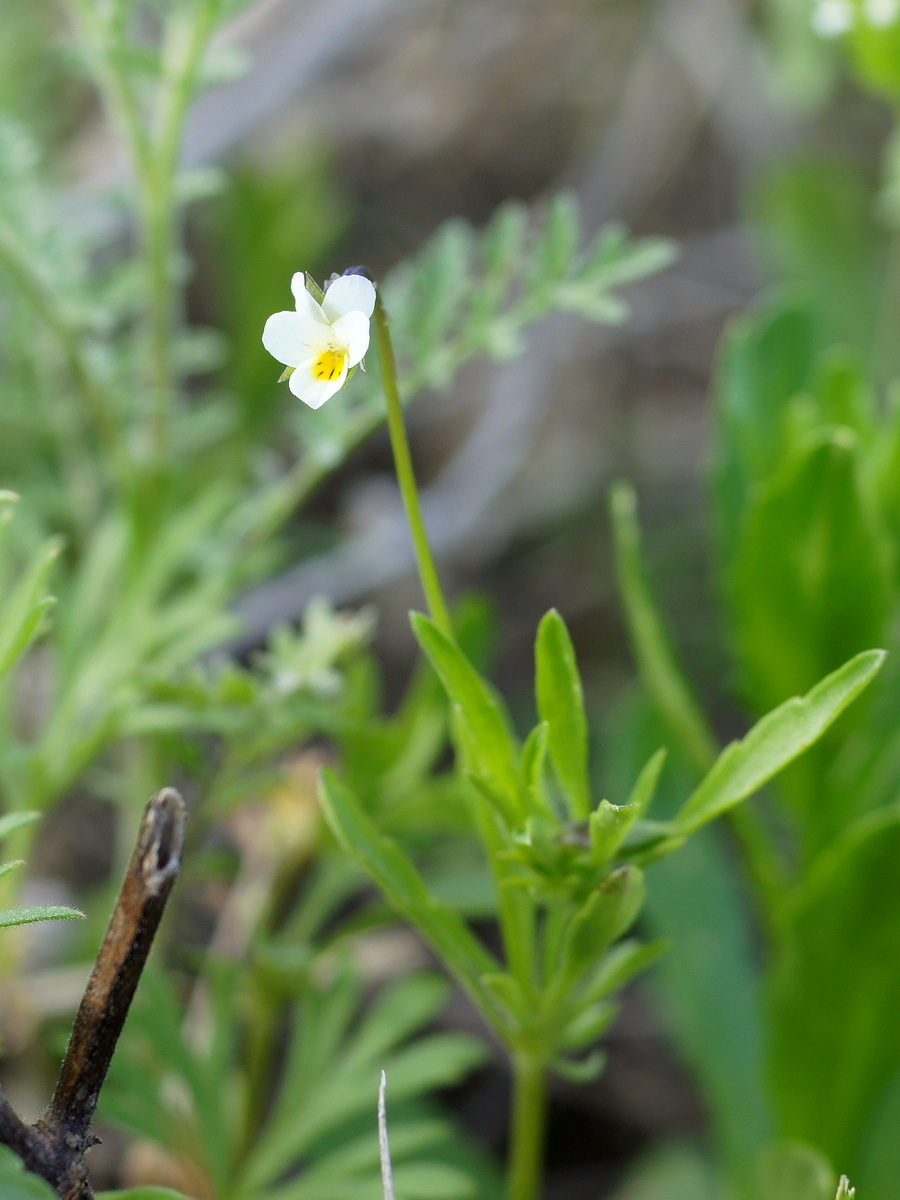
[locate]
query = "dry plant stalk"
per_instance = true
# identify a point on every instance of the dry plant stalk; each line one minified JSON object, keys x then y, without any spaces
{"x":55,"y":1147}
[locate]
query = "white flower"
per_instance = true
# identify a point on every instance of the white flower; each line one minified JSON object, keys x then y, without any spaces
{"x":831,"y":18}
{"x":322,"y":342}
{"x":881,"y":13}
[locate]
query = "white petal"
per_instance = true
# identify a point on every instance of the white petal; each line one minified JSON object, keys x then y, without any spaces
{"x":292,"y":338}
{"x":307,"y":305}
{"x":349,"y":293}
{"x":312,"y":391}
{"x":352,"y":331}
{"x":283,"y":338}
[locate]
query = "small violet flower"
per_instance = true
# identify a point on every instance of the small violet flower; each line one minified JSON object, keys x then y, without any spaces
{"x":321,"y":343}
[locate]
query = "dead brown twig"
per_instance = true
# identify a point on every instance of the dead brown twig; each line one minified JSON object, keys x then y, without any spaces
{"x":55,"y":1147}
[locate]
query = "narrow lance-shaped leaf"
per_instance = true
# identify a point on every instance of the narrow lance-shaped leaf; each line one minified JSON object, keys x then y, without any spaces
{"x":782,"y":735}
{"x":10,"y":917}
{"x":660,"y":673}
{"x":388,"y":866}
{"x":488,"y":739}
{"x":21,"y":615}
{"x":560,"y":703}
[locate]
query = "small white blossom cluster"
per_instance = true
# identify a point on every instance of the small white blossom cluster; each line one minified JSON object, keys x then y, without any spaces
{"x":845,"y":1191}
{"x":832,"y":18}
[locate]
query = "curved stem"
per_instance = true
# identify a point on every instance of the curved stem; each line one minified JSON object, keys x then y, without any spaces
{"x":527,"y":1128}
{"x":428,"y":573}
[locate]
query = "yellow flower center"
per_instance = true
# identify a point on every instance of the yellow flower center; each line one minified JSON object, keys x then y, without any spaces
{"x":330,"y":363}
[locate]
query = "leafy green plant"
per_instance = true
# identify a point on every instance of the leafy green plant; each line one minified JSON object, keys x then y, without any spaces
{"x":805,"y":497}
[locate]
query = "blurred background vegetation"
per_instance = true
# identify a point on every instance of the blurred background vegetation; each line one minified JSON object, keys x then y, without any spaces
{"x":347,"y":131}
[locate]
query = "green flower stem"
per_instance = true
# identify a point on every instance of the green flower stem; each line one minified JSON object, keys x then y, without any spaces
{"x":527,"y":1128}
{"x":428,"y":574}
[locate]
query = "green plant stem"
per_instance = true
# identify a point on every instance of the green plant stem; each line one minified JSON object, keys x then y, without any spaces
{"x":428,"y":574}
{"x":186,"y":38}
{"x":527,"y":1128}
{"x":44,"y":301}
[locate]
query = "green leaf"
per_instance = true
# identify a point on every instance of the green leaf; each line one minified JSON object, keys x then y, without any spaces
{"x":744,"y":766}
{"x":673,"y":1172}
{"x":708,"y":980}
{"x":819,"y":229}
{"x":18,"y":1184}
{"x":765,"y":361}
{"x":13,"y":822}
{"x":388,"y":866}
{"x":23,"y":610}
{"x":793,"y":1171}
{"x":811,"y":581}
{"x":143,"y":1193}
{"x":609,"y":825}
{"x":609,"y":912}
{"x":560,"y":703}
{"x":617,"y":967}
{"x":489,"y":746}
{"x":835,"y":1043}
{"x":656,"y":660}
{"x":30,"y":916}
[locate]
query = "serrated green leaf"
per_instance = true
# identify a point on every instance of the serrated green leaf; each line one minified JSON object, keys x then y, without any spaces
{"x":744,"y":766}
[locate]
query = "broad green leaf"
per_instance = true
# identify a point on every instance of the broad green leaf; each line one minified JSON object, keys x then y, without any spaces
{"x":18,"y":1184}
{"x":709,"y":991}
{"x":879,"y":1158}
{"x":489,"y":743}
{"x":660,"y":674}
{"x":811,"y":582}
{"x":560,"y":703}
{"x":819,"y":229}
{"x":793,"y":1171}
{"x":766,"y":359}
{"x":672,"y":1172}
{"x":835,"y":1043}
{"x":388,"y":866}
{"x":744,"y":766}
{"x":143,"y":1193}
